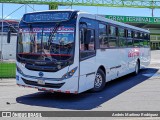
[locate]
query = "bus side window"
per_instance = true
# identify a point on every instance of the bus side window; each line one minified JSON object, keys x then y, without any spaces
{"x":103,"y":38}
{"x":112,"y":39}
{"x":129,"y":38}
{"x":147,"y":40}
{"x":122,"y":37}
{"x":87,"y":43}
{"x":136,"y":39}
{"x":81,"y":34}
{"x":141,"y":39}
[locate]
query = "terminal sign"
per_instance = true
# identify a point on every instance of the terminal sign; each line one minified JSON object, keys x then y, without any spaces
{"x":46,"y":17}
{"x":134,"y":19}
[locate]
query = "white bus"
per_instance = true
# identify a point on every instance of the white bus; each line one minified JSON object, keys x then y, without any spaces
{"x":70,"y":51}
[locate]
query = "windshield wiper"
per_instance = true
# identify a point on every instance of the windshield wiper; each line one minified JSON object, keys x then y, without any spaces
{"x":53,"y":32}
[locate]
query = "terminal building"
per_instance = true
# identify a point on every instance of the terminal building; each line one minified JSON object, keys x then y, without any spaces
{"x":150,"y":23}
{"x":8,"y":51}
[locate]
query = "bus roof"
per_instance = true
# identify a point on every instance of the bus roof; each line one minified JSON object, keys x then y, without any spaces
{"x":101,"y":18}
{"x":97,"y":17}
{"x":63,"y":10}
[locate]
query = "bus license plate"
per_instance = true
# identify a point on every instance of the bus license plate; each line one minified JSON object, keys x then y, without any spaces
{"x":41,"y":82}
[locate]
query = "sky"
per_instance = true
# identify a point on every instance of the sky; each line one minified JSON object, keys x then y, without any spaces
{"x":20,"y":9}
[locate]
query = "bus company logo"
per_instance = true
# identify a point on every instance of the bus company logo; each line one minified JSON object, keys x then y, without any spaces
{"x":134,"y":52}
{"x":41,"y":74}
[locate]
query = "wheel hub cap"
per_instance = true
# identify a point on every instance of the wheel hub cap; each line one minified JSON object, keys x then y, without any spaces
{"x":98,"y":80}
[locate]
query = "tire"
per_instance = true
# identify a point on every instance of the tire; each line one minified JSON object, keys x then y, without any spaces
{"x":137,"y":68}
{"x":99,"y":82}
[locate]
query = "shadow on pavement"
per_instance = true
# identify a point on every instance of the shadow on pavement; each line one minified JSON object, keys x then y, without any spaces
{"x":86,"y":100}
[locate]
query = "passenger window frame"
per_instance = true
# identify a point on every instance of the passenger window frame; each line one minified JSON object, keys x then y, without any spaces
{"x":89,"y":53}
{"x":106,"y":35}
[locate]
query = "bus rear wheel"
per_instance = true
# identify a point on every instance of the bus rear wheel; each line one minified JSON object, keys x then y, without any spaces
{"x":99,"y":82}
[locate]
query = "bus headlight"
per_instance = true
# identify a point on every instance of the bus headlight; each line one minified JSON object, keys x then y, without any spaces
{"x":69,"y":74}
{"x":19,"y":70}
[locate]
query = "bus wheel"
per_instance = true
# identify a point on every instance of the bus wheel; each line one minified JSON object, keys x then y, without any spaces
{"x":137,"y":68}
{"x":99,"y":82}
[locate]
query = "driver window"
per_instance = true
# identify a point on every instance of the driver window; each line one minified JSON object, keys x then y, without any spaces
{"x":87,"y":43}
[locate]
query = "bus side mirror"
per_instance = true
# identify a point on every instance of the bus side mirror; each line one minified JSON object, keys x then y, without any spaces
{"x":9,"y":35}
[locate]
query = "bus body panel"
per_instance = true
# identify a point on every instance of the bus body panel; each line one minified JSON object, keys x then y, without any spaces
{"x":87,"y":74}
{"x":119,"y":63}
{"x":145,"y":57}
{"x":108,"y":58}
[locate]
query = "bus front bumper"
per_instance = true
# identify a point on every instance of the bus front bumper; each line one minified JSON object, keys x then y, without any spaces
{"x":64,"y":86}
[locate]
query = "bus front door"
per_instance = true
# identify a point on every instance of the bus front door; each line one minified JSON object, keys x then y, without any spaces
{"x":87,"y":59}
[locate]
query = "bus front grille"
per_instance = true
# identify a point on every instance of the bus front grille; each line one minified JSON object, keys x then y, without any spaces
{"x":48,"y":85}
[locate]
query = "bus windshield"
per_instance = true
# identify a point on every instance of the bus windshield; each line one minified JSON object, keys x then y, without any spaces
{"x":46,"y":43}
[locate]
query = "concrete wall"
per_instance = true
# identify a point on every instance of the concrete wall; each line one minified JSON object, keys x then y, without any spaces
{"x":8,"y":51}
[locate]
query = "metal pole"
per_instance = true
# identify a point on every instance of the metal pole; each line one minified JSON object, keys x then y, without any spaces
{"x":152,"y":8}
{"x":2,"y":34}
{"x":25,"y":8}
{"x":152,"y":12}
{"x":33,"y":8}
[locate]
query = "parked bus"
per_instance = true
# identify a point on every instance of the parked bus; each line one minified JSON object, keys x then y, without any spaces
{"x":72,"y":51}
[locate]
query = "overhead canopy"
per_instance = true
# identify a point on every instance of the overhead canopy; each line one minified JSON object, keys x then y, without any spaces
{"x":109,"y":3}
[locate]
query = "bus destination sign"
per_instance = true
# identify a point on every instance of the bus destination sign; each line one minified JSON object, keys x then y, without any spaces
{"x":46,"y":17}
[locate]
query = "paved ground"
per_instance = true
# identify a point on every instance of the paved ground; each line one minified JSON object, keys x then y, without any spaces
{"x":129,"y":93}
